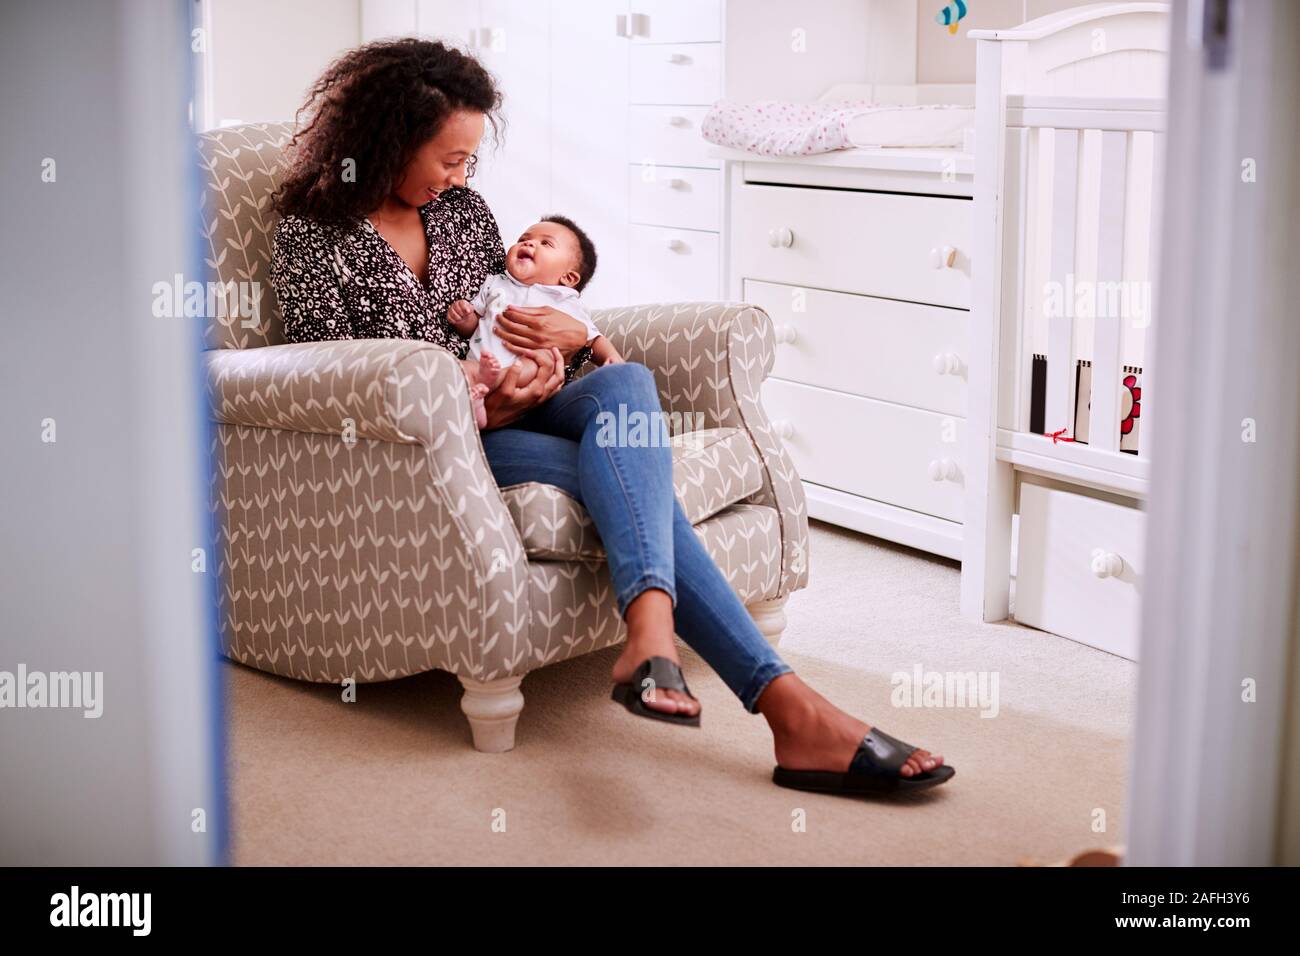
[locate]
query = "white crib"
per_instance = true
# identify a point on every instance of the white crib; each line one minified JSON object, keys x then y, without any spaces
{"x":1069,"y":109}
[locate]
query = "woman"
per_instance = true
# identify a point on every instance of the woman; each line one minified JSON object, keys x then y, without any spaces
{"x":380,"y":235}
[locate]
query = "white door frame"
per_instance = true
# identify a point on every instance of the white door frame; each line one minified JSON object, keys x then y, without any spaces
{"x":1207,"y":768}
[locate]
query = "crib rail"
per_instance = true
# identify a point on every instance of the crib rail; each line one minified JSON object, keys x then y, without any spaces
{"x":1069,"y":118}
{"x":1082,"y":173}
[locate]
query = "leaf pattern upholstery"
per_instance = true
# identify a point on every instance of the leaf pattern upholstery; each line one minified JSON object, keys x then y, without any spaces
{"x":359,"y":530}
{"x":712,"y":469}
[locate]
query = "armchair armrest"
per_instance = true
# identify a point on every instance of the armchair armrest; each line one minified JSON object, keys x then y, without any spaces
{"x":709,"y":360}
{"x":707,"y":356}
{"x":412,"y":393}
{"x":376,"y":388}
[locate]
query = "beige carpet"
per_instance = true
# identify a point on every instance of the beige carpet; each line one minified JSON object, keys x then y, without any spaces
{"x":392,"y":778}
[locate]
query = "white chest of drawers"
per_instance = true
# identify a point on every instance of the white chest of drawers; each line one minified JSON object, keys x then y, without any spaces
{"x":862,"y":259}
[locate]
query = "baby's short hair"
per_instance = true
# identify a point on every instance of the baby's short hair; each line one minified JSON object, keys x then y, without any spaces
{"x":586,"y":248}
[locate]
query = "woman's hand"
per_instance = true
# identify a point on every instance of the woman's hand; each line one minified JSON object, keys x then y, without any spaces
{"x":541,"y":327}
{"x":509,"y":401}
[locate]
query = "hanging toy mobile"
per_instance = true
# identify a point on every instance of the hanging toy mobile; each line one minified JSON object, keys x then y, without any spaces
{"x":951,"y":14}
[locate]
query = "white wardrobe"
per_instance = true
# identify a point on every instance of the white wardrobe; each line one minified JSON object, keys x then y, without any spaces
{"x":602,"y":103}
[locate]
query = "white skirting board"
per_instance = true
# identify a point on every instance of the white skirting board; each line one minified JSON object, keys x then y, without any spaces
{"x":892,"y":523}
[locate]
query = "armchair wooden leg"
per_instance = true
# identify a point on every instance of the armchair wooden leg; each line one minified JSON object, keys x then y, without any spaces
{"x":770,"y":618}
{"x":493,"y":709}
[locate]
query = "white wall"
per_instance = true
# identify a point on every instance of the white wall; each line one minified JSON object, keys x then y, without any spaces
{"x":892,"y":42}
{"x":944,"y":58}
{"x":265,"y":55}
{"x":787,"y":50}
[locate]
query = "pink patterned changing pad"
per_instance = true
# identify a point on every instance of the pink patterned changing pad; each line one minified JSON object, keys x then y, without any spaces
{"x":778,"y":128}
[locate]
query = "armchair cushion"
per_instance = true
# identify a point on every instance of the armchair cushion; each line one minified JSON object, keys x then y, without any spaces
{"x":712,"y":468}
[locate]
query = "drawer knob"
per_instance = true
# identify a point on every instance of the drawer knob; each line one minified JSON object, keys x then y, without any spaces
{"x":947,"y":363}
{"x":678,"y":184}
{"x":943,"y":257}
{"x":943,"y":469}
{"x":1106,"y":564}
{"x":785,"y":334}
{"x":678,"y":121}
{"x":678,"y":58}
{"x":783,"y":428}
{"x":676,"y":245}
{"x":780,"y":237}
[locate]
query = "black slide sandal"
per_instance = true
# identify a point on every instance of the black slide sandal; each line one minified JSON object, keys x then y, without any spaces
{"x":666,"y":675}
{"x":874,"y":770}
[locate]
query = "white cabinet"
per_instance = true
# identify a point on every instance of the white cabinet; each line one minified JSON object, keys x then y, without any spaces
{"x":387,"y":18}
{"x":602,"y":102}
{"x":676,"y":73}
{"x":894,"y":351}
{"x":659,"y":131}
{"x":881,"y":451}
{"x":513,"y":176}
{"x":589,"y":128}
{"x":676,"y":21}
{"x":451,"y":21}
{"x":676,"y":196}
{"x":867,"y":282}
{"x":1080,"y":567}
{"x":894,"y":245}
{"x":686,"y":258}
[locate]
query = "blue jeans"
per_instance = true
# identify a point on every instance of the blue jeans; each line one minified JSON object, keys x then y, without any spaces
{"x":628,"y":491}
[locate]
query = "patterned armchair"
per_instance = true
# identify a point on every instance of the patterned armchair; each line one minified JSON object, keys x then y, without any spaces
{"x":360,"y":533}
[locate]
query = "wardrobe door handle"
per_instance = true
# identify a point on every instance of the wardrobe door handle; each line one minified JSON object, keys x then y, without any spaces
{"x":780,"y":237}
{"x":678,"y":184}
{"x":620,"y":26}
{"x":678,"y":121}
{"x":943,"y":258}
{"x":943,"y":469}
{"x":676,"y":245}
{"x":785,"y":334}
{"x":783,"y":428}
{"x":1106,"y":564}
{"x":947,"y":363}
{"x":678,"y":58}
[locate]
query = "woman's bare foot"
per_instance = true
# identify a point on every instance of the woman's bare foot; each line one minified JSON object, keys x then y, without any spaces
{"x":650,"y":634}
{"x":811,"y":733}
{"x":667,"y":700}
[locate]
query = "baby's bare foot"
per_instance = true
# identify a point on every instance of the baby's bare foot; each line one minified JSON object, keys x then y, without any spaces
{"x":489,"y":370}
{"x":477,"y":393}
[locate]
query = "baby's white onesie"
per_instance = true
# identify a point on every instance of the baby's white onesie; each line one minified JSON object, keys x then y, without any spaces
{"x":502,"y":290}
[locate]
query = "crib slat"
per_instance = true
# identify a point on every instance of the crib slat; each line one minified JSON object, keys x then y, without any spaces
{"x":1107,"y":357}
{"x":1060,"y":323}
{"x":1015,"y":361}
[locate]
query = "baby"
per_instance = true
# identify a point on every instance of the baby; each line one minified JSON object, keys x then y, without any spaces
{"x":550,"y":265}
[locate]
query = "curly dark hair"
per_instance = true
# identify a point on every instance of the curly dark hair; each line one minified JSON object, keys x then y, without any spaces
{"x":586,"y":248}
{"x":376,"y":105}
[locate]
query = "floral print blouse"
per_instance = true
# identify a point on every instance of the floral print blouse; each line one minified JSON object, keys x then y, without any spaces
{"x":344,"y":281}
